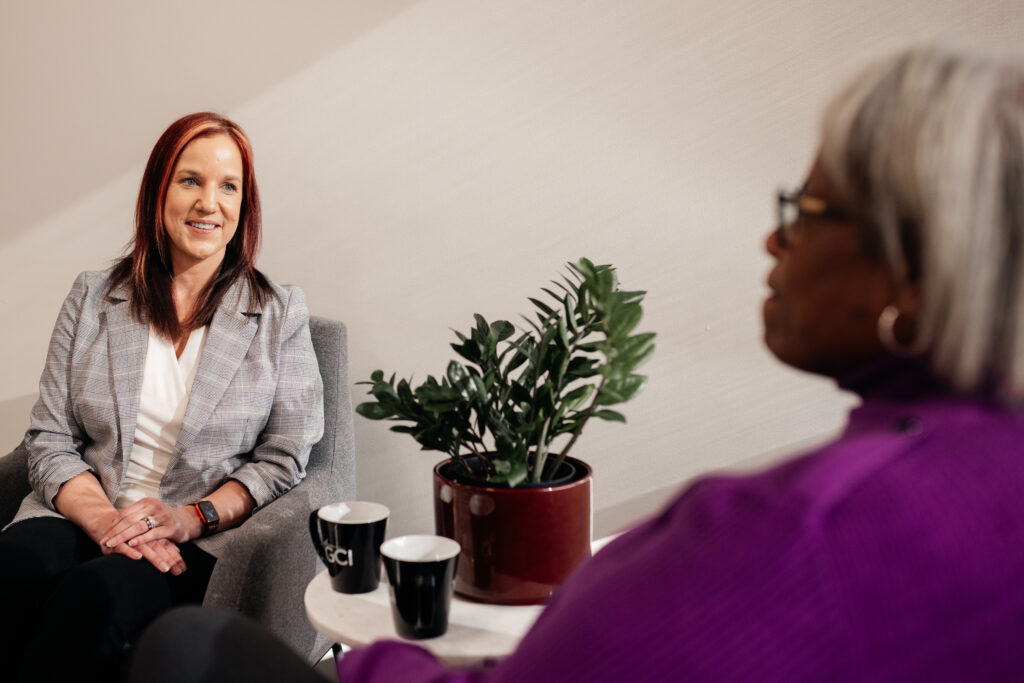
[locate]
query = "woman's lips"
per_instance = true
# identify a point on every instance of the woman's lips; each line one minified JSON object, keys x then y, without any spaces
{"x":203,"y":226}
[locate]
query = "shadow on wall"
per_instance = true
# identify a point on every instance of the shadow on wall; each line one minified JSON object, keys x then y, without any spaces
{"x":615,"y":519}
{"x":14,"y":414}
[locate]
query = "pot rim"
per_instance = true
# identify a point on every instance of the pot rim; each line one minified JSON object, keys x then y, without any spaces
{"x":584,"y":473}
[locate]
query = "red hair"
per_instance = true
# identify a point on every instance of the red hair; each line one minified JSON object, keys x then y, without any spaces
{"x":148,"y":269}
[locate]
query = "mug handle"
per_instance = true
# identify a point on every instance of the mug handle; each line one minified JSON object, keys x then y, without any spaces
{"x":314,"y":533}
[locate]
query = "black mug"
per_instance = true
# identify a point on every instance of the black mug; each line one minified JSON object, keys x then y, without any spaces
{"x":347,"y":537}
{"x":421,"y":571}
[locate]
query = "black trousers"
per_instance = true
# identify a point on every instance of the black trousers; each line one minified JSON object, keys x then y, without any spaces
{"x":68,"y":612}
{"x":222,"y":647}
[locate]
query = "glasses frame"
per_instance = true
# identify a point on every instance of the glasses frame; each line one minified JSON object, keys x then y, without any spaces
{"x":793,"y":205}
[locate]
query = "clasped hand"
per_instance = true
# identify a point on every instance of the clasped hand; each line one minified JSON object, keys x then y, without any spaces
{"x":129,"y":534}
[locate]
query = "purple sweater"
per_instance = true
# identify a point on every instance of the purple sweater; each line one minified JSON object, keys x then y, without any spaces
{"x":895,"y":553}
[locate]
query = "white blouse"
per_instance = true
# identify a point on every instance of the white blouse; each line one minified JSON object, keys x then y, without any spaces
{"x":166,"y":386}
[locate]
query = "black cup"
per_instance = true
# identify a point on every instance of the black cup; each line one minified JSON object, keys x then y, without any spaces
{"x":347,"y":537}
{"x":421,"y":571}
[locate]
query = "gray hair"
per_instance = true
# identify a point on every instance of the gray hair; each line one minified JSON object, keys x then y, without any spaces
{"x":930,"y":146}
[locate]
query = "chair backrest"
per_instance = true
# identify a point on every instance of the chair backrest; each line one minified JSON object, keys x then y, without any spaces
{"x":331,"y":463}
{"x":335,"y":451}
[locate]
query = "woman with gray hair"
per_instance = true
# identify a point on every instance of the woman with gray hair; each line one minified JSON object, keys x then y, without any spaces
{"x":891,"y":554}
{"x":930,"y":148}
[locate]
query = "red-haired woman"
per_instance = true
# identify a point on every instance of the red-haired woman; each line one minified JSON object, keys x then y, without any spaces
{"x":180,"y":392}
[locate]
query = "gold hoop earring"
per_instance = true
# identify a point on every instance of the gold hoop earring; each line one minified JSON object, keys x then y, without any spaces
{"x":887,"y":334}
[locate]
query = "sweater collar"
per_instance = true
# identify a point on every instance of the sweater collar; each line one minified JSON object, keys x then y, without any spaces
{"x":894,"y":378}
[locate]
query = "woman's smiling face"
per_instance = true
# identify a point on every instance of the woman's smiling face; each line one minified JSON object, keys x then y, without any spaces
{"x":203,"y":202}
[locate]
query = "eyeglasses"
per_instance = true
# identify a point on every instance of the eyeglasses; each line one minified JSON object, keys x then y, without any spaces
{"x":793,"y":206}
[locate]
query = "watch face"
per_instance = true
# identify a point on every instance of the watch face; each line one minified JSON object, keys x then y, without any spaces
{"x":209,"y":515}
{"x":209,"y":512}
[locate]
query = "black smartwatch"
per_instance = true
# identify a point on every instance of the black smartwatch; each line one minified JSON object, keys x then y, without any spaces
{"x":208,"y":515}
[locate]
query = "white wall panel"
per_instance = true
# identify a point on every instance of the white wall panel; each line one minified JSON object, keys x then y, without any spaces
{"x":446,"y":157}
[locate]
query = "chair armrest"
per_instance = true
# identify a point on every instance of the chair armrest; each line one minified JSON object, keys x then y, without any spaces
{"x":265,"y":567}
{"x":14,"y":484}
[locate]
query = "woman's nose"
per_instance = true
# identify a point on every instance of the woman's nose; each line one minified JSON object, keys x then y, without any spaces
{"x":207,"y":202}
{"x":773,"y":243}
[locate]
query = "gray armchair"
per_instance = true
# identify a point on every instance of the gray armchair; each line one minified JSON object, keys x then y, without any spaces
{"x":264,"y":572}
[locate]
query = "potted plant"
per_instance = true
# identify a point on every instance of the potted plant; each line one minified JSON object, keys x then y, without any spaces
{"x":498,"y":413}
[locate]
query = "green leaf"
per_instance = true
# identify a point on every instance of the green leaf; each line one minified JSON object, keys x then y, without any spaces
{"x":542,"y":362}
{"x":570,"y":425}
{"x":374,"y":411}
{"x":585,"y":268}
{"x":627,"y":362}
{"x":632,"y":297}
{"x":502,"y":329}
{"x":517,"y":474}
{"x":626,"y":356}
{"x":573,"y":279}
{"x":437,"y":398}
{"x":490,"y":345}
{"x":547,"y":310}
{"x":457,"y":374}
{"x":403,"y":429}
{"x":609,"y":415}
{"x":609,"y":396}
{"x":481,"y":324}
{"x":570,"y":317}
{"x":624,"y":318}
{"x":383,"y":391}
{"x":521,"y":394}
{"x":481,"y":389}
{"x":546,"y":399}
{"x":405,"y":393}
{"x":532,"y":324}
{"x":469,"y":350}
{"x":581,"y":368}
{"x":568,"y":292}
{"x":577,"y":397}
{"x":563,"y":333}
{"x":637,"y":344}
{"x":517,"y":360}
{"x":584,"y":305}
{"x":621,"y":390}
{"x":553,"y":295}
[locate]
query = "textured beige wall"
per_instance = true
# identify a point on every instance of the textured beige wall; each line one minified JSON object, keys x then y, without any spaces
{"x":422,"y":161}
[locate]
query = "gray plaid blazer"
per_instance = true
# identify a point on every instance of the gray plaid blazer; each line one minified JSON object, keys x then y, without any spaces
{"x":255,"y":411}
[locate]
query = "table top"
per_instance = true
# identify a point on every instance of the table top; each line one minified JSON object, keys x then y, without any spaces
{"x":476,"y":631}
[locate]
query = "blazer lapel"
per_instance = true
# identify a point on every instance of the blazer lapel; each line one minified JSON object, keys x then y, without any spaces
{"x":227,"y":342}
{"x":127,"y":341}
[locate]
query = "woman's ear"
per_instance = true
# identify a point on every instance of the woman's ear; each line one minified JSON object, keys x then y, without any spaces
{"x":897,"y":326}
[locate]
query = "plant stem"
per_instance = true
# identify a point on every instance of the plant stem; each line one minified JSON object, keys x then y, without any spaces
{"x":579,"y":428}
{"x":482,"y":457}
{"x":542,"y":451}
{"x":457,"y":458}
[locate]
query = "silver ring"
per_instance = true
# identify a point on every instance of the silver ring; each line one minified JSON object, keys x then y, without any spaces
{"x":149,"y":522}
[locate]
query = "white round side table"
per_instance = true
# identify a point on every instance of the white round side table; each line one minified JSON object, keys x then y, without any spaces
{"x":476,"y":632}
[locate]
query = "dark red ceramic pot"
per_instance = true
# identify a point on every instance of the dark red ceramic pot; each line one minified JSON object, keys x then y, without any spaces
{"x":518,"y":544}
